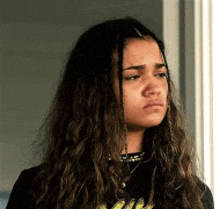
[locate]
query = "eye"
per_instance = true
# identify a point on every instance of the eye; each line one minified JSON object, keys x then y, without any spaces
{"x":162,"y":75}
{"x":133,"y":77}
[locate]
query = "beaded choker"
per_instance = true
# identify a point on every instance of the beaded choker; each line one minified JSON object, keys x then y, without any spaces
{"x":132,"y":157}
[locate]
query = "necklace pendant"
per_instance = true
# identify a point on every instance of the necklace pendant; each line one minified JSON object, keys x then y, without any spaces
{"x":123,"y":185}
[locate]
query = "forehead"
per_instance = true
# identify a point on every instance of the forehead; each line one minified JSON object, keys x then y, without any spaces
{"x":141,"y":52}
{"x":136,"y":51}
{"x":141,"y":48}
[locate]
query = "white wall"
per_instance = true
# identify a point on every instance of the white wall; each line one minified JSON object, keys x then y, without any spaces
{"x":171,"y":33}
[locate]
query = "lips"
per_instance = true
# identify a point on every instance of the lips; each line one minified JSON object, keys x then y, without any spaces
{"x":156,"y":103}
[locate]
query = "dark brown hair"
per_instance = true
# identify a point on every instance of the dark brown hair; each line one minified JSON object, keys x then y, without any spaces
{"x":85,"y":126}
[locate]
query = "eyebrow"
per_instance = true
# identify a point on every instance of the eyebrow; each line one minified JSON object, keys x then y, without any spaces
{"x":160,"y":65}
{"x":141,"y":67}
{"x":135,"y":67}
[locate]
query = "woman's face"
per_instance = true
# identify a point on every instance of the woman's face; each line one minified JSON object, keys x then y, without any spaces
{"x":144,"y":84}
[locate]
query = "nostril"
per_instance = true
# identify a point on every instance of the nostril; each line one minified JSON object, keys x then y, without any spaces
{"x":152,"y":91}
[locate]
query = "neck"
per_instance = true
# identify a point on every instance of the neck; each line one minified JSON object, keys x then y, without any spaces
{"x":134,"y":142}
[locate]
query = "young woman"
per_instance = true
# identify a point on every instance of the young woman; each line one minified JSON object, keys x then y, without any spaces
{"x":116,"y":134}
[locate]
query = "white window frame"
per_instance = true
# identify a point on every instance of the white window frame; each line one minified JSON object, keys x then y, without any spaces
{"x":204,"y":18}
{"x":203,"y":88}
{"x":215,"y":153}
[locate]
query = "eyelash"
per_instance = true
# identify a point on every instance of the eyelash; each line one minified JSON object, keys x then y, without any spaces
{"x":134,"y":77}
{"x":163,"y":74}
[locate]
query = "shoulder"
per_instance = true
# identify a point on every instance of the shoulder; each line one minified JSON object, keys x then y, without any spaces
{"x":21,"y":194}
{"x":207,"y":197}
{"x":28,"y":175}
{"x":31,"y":172}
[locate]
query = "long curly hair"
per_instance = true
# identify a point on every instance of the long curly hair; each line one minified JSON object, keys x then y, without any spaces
{"x":85,"y":126}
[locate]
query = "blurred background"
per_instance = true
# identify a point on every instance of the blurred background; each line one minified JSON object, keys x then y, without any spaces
{"x":35,"y":38}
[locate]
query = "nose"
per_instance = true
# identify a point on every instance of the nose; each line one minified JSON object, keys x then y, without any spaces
{"x":151,"y":87}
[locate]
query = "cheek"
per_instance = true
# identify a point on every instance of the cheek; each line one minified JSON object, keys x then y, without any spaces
{"x":165,"y":88}
{"x":166,"y":99}
{"x":131,"y":97}
{"x":164,"y":93}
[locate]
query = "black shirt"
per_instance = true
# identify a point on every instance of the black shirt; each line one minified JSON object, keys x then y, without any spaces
{"x":138,"y":186}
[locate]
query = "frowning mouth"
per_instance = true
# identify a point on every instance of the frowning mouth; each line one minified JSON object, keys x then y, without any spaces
{"x":154,"y":104}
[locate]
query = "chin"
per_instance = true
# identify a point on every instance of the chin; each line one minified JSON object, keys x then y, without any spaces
{"x":144,"y":123}
{"x":143,"y":126}
{"x":155,"y":121}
